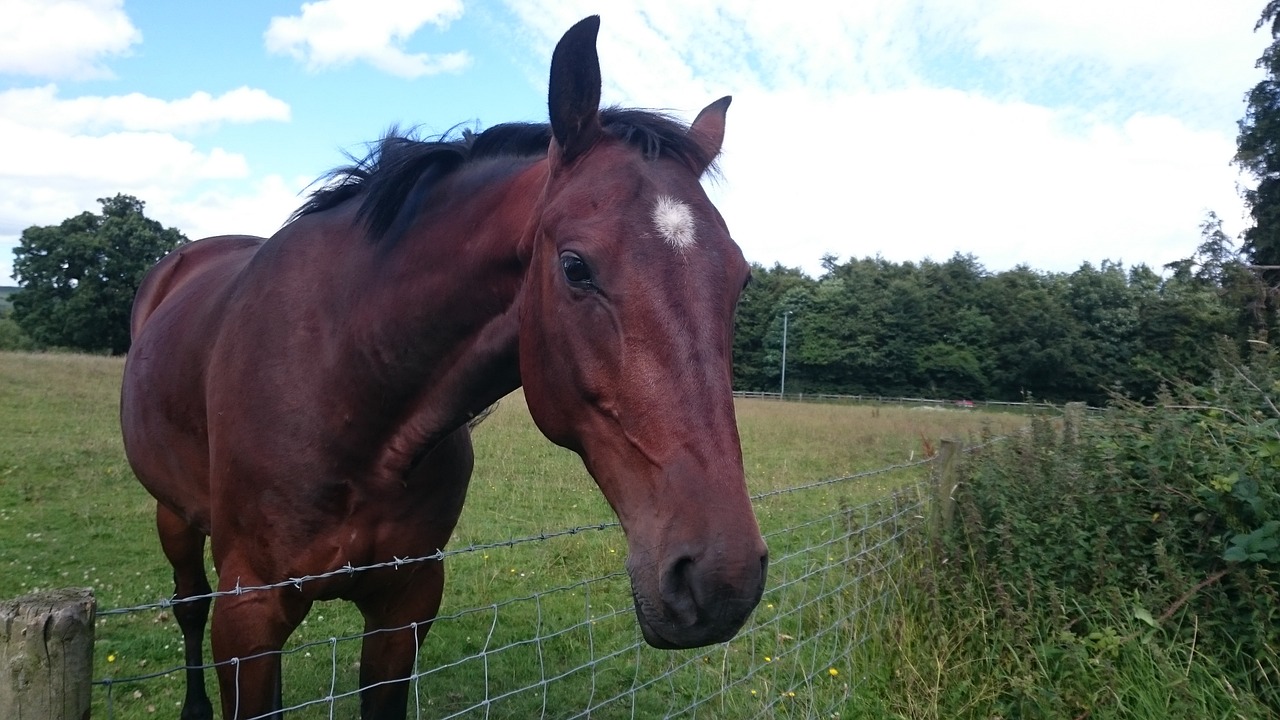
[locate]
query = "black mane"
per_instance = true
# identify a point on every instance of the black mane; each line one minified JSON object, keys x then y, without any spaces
{"x":401,"y":169}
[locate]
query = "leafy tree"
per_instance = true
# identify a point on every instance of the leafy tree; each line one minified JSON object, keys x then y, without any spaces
{"x":1181,"y":327}
{"x":757,"y":349}
{"x":866,"y":321}
{"x":794,"y":310}
{"x":1258,"y":153}
{"x":78,"y":278}
{"x":1221,"y":267}
{"x":951,"y":372}
{"x":1036,"y":342}
{"x":1102,"y":303}
{"x":955,"y":357}
{"x":11,"y":336}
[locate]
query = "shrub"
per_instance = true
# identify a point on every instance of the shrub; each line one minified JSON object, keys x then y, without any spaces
{"x":1147,"y":524}
{"x":12,"y":337}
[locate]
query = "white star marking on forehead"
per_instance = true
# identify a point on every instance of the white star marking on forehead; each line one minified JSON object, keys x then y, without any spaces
{"x":674,"y":221}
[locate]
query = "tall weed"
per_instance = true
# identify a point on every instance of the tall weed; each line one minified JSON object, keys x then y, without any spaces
{"x":1124,"y":566}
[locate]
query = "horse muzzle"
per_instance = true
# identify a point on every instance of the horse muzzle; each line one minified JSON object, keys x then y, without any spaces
{"x":698,"y":598}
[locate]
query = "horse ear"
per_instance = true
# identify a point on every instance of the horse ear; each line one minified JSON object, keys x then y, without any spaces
{"x":573,"y":94}
{"x":707,"y":129}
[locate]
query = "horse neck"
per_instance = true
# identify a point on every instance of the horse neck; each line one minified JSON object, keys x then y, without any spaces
{"x":444,"y":317}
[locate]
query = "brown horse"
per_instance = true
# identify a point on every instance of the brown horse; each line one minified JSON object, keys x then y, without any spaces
{"x":303,"y":400}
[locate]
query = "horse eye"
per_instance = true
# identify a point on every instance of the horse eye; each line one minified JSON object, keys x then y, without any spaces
{"x":575,"y":270}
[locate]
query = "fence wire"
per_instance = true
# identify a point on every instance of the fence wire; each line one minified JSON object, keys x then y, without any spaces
{"x":574,"y":650}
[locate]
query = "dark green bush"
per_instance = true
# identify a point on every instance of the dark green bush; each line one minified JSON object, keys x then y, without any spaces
{"x":1165,"y":516}
{"x":12,"y":337}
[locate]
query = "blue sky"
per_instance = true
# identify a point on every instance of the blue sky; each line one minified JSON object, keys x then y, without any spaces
{"x":1049,"y":134}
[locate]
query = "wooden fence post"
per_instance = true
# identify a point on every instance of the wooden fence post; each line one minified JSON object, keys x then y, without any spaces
{"x":944,"y":469}
{"x":1072,"y":416}
{"x":46,"y":655}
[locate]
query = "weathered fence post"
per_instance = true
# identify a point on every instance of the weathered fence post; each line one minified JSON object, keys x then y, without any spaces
{"x":944,"y":473}
{"x":46,"y":655}
{"x":1072,"y":416}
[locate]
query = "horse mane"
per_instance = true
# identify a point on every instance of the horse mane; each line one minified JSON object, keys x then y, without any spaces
{"x":400,"y":169}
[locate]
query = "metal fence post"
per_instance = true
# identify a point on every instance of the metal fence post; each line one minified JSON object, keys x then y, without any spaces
{"x":46,"y":655}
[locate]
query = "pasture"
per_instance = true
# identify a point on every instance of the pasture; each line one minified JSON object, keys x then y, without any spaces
{"x":72,"y":515}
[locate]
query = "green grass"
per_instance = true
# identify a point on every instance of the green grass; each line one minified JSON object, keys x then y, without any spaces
{"x":953,"y":656}
{"x":71,"y":514}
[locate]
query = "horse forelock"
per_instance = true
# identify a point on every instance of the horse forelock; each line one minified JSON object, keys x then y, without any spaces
{"x":392,"y":180}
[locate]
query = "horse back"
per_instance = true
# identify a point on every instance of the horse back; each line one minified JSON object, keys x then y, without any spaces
{"x":182,"y":265}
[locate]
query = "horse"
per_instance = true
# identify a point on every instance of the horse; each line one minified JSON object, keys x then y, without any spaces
{"x":302,"y":402}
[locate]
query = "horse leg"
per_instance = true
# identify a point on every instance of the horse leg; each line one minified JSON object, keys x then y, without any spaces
{"x":387,"y":657}
{"x":184,"y":546}
{"x":249,"y":629}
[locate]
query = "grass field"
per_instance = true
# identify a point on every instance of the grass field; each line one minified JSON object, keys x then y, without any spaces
{"x":71,"y":515}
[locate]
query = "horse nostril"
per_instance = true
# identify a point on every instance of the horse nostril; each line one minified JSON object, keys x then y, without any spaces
{"x":677,"y":589}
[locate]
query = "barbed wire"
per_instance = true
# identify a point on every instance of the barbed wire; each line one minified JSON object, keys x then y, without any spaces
{"x":439,"y":555}
{"x":824,"y":565}
{"x":803,"y":581}
{"x":349,"y":569}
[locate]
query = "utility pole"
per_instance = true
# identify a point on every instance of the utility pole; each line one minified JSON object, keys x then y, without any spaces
{"x":782,"y":394}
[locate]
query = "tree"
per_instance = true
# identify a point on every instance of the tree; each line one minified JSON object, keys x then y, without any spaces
{"x":1036,"y":339}
{"x":78,"y":278}
{"x":1258,"y":153}
{"x":756,"y":352}
{"x":1218,"y":266}
{"x":1105,"y":309}
{"x":1181,"y":332}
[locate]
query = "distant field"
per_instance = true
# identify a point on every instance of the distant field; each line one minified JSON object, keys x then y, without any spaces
{"x":71,"y":514}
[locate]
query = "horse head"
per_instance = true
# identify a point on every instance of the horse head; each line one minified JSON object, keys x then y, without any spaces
{"x":625,"y":344}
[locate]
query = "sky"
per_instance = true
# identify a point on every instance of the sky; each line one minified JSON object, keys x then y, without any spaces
{"x":1021,"y":132}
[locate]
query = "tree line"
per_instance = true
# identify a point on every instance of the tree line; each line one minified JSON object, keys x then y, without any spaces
{"x":865,"y":326}
{"x":954,"y":330}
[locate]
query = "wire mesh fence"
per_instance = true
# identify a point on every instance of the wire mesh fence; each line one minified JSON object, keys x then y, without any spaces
{"x":920,"y":402}
{"x":572,"y":649}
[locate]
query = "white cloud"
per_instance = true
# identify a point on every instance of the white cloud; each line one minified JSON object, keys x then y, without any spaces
{"x":1193,"y":50}
{"x":53,"y":156}
{"x":929,"y":173}
{"x":197,"y":208}
{"x":1089,"y":135}
{"x":41,"y":106}
{"x":1190,"y":41}
{"x":1197,"y":59}
{"x":63,"y":38}
{"x":330,"y":33}
{"x":61,"y":155}
{"x":256,"y":208}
